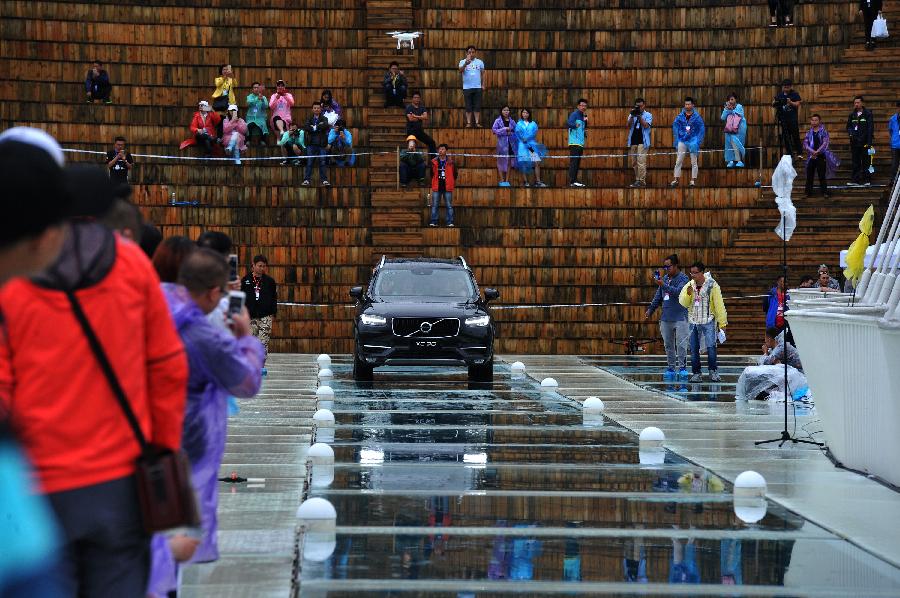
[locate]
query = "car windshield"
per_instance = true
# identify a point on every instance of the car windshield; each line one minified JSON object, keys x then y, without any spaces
{"x":423,"y":282}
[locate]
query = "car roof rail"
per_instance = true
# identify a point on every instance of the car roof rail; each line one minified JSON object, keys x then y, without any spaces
{"x":381,"y":264}
{"x":463,"y":261}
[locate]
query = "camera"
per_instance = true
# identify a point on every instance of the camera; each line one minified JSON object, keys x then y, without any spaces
{"x":236,"y":301}
{"x":779,"y":102}
{"x":636,"y":111}
{"x":233,"y":267}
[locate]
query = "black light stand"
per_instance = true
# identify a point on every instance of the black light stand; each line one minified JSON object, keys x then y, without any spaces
{"x":785,"y":435}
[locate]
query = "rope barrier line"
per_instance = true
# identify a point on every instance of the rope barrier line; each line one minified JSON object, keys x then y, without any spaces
{"x":536,"y":306}
{"x":387,"y":152}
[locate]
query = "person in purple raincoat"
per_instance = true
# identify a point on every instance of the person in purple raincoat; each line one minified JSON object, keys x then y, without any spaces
{"x":220,"y":363}
{"x":507,"y":144}
{"x":820,"y":159}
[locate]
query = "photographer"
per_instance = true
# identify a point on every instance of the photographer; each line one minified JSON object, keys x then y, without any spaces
{"x":340,"y":141}
{"x":221,"y":363}
{"x":787,"y":106}
{"x":639,"y":123}
{"x":119,"y":162}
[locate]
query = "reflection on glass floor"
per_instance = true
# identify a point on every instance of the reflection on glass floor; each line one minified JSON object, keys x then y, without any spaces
{"x":442,"y":490}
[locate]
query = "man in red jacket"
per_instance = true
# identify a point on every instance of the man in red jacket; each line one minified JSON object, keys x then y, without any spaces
{"x":60,"y":404}
{"x":443,"y":182}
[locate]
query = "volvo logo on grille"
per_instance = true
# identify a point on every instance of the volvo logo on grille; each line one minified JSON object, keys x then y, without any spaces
{"x":425,"y":327}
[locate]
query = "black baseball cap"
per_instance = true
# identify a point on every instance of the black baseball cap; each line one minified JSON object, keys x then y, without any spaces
{"x":32,"y":168}
{"x":91,"y":190}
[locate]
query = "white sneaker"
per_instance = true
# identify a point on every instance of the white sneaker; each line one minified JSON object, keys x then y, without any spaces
{"x":577,"y":184}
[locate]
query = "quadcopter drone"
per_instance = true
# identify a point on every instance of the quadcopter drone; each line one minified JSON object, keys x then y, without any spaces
{"x":405,"y":37}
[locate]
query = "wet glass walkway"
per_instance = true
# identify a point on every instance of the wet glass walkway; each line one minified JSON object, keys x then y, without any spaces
{"x":445,"y":489}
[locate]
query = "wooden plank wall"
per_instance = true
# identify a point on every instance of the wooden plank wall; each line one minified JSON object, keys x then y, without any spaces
{"x":537,"y":246}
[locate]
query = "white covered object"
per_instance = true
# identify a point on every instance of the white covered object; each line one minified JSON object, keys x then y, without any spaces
{"x":782,"y":185}
{"x":769,"y":380}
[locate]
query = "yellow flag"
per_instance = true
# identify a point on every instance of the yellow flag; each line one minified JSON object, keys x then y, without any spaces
{"x":856,"y":254}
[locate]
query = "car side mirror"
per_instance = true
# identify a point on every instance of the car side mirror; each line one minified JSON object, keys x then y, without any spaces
{"x":356,"y":292}
{"x":491,"y":294}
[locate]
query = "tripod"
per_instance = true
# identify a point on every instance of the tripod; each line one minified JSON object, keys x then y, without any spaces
{"x":785,"y":435}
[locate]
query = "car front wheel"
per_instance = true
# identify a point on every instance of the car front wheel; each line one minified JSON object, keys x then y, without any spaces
{"x":483,"y":372}
{"x":361,"y":370}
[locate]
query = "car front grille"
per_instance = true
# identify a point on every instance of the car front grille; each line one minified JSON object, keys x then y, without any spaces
{"x":425,"y":327}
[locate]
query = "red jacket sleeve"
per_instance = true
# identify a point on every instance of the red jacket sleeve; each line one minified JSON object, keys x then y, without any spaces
{"x":167,"y":369}
{"x":6,"y":374}
{"x":196,"y":123}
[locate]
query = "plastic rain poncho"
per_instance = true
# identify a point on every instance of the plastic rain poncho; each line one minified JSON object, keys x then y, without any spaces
{"x":220,"y":364}
{"x":782,"y":185}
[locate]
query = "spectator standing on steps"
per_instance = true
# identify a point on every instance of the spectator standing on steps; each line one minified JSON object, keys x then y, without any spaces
{"x":894,"y":132}
{"x":280,"y":104}
{"x":507,"y":144}
{"x":262,"y":300}
{"x":395,"y":86}
{"x":416,"y":116}
{"x":639,"y":131}
{"x":472,"y":69}
{"x":97,"y":85}
{"x":412,"y":163}
{"x":820,"y":159}
{"x":688,"y":130}
{"x":315,"y":134}
{"x":576,"y":123}
{"x":869,"y":10}
{"x":224,"y":95}
{"x":119,"y":162}
{"x":257,"y":114}
{"x":787,"y":105}
{"x":702,"y":297}
{"x":861,"y":129}
{"x":443,"y":182}
{"x":530,"y":152}
{"x":735,"y":132}
{"x":673,"y":324}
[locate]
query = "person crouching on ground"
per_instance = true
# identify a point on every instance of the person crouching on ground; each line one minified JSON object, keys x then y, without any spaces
{"x":702,"y":297}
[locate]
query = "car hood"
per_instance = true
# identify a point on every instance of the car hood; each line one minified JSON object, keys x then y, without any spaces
{"x":403,"y":309}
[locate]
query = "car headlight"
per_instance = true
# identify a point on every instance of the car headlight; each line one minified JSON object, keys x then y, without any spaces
{"x":479,"y":321}
{"x":370,"y":320}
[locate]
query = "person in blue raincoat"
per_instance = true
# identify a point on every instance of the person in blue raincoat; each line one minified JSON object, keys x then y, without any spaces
{"x":529,"y":153}
{"x":340,"y":141}
{"x":735,"y":132}
{"x":688,"y":129}
{"x":221,"y":364}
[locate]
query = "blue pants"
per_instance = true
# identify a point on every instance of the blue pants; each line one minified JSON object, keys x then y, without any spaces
{"x":708,"y":331}
{"x":435,"y":202}
{"x":315,"y":153}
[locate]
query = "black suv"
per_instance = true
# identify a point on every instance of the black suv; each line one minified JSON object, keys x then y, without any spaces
{"x":423,"y":311}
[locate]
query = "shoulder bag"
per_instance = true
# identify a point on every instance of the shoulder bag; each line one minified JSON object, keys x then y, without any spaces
{"x":163,"y":476}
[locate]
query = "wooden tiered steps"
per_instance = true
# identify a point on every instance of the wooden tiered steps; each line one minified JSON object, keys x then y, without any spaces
{"x":395,"y":217}
{"x":538,"y":246}
{"x":824,"y":227}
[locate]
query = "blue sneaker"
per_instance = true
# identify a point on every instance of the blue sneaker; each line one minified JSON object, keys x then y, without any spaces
{"x":265,"y":372}
{"x":669,"y":374}
{"x":683,"y":374}
{"x":739,"y":164}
